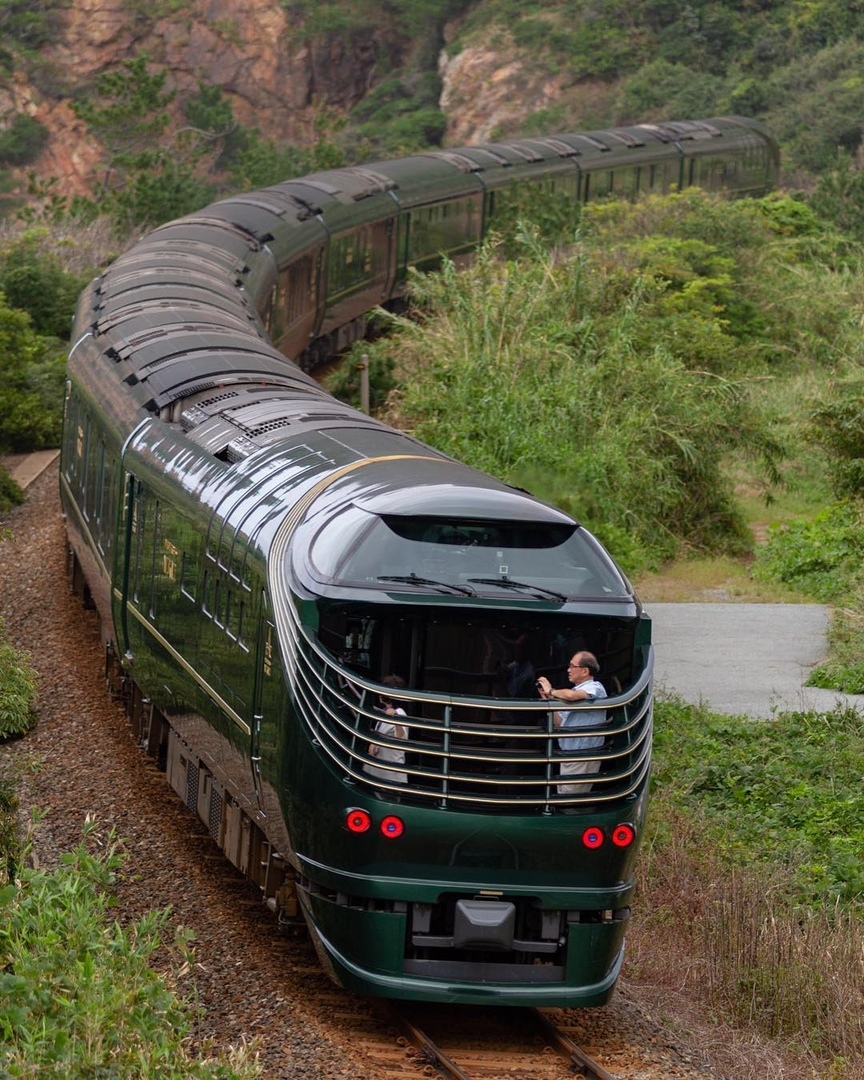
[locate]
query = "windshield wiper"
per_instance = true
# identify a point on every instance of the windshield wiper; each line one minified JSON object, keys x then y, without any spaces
{"x":508,"y":583}
{"x":412,"y":579}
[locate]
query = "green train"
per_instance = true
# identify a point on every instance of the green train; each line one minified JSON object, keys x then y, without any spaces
{"x":265,"y":559}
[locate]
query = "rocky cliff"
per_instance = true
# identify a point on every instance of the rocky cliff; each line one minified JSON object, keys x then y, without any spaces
{"x":278,"y":77}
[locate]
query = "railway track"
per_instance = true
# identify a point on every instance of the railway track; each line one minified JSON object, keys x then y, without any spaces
{"x":490,"y":1043}
{"x":252,"y":983}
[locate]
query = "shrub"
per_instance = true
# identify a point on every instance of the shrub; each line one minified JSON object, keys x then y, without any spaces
{"x":823,"y":557}
{"x":23,"y":141}
{"x":784,"y":791}
{"x":837,"y":425}
{"x":77,"y":993}
{"x":10,"y":493}
{"x":17,"y":689}
{"x":33,"y":280}
{"x":31,"y":385}
{"x":344,"y":380}
{"x":750,"y":870}
{"x":10,"y":829}
{"x":531,"y":366}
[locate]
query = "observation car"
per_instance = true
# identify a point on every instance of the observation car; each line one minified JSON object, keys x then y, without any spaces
{"x":262,"y":556}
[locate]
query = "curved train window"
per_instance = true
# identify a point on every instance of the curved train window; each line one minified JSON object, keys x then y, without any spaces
{"x":483,"y":557}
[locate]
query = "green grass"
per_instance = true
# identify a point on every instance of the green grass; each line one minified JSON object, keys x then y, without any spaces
{"x":784,"y":791}
{"x":78,"y":993}
{"x":751,"y":871}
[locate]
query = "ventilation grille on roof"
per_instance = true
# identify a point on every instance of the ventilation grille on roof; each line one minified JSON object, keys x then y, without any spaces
{"x":194,"y":415}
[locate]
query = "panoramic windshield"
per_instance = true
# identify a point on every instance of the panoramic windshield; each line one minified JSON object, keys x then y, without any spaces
{"x":533,"y":560}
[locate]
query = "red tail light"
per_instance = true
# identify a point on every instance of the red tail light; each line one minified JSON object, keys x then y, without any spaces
{"x":592,"y":837}
{"x":358,"y":821}
{"x":623,"y":835}
{"x":391,"y":827}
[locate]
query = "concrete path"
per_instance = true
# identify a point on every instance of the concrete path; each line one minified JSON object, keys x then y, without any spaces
{"x":25,"y":468}
{"x":750,"y":659}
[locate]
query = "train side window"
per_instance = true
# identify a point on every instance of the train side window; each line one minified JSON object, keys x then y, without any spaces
{"x":138,"y":512}
{"x":95,"y":456}
{"x":234,"y":615}
{"x":219,"y":603}
{"x":206,"y":591}
{"x":155,"y":557}
{"x":83,"y":450}
{"x":187,"y":575}
{"x":241,"y":624}
{"x":109,"y":502}
{"x":97,"y":491}
{"x":70,"y":435}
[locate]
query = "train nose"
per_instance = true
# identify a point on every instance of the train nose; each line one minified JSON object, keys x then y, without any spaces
{"x":484,"y":924}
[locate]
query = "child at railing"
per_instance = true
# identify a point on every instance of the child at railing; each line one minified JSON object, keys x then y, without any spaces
{"x":392,"y":729}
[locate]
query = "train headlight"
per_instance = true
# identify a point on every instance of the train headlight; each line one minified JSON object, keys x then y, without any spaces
{"x":623,"y":835}
{"x":391,"y":827}
{"x":592,"y":837}
{"x":358,"y":821}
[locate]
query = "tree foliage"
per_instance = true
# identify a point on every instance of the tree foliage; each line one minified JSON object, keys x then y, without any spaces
{"x":31,"y":384}
{"x":22,"y":141}
{"x":29,"y":25}
{"x":34,"y":280}
{"x":542,"y":372}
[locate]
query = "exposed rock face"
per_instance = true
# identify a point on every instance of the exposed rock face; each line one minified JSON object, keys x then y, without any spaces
{"x":275,"y":78}
{"x":487,"y":94}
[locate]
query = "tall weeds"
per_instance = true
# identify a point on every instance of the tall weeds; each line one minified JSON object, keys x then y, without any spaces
{"x":750,"y":905}
{"x":730,"y":943}
{"x":523,"y":370}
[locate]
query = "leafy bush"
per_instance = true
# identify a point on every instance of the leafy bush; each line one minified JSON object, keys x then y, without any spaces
{"x":10,"y":493}
{"x":77,"y":993}
{"x":344,"y":380}
{"x":261,"y":162}
{"x":823,"y":557}
{"x":31,"y":385}
{"x":839,"y":196}
{"x":17,"y":689}
{"x":30,"y":25}
{"x":34,"y":281}
{"x":844,"y":668}
{"x":10,"y":830}
{"x":818,"y":101}
{"x":532,"y":367}
{"x":837,"y":425}
{"x":784,"y":791}
{"x":671,"y":89}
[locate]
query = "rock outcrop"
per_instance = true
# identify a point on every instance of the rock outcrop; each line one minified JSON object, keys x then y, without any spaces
{"x":277,"y":77}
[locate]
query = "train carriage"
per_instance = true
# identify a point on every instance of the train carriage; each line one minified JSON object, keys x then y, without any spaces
{"x":262,"y":557}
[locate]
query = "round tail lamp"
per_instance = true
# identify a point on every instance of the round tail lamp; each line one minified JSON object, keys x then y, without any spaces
{"x":391,"y":827}
{"x":623,"y":835}
{"x":358,"y":821}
